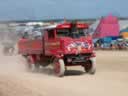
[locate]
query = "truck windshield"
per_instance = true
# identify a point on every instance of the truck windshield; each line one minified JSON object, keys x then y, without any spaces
{"x":62,"y":32}
{"x":77,"y":33}
{"x":71,"y":33}
{"x":81,"y":32}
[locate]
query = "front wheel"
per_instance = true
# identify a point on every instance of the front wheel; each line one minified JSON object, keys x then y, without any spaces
{"x":59,"y":67}
{"x":90,"y":66}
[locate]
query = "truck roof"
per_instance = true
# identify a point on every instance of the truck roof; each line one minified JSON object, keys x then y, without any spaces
{"x":66,"y":25}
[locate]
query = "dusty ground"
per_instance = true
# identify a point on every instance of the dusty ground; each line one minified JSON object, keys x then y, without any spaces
{"x":111,"y":78}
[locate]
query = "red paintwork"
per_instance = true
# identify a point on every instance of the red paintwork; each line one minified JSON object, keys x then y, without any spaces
{"x":80,"y":25}
{"x":68,"y":25}
{"x":65,"y":25}
{"x":26,"y":46}
{"x":68,"y":41}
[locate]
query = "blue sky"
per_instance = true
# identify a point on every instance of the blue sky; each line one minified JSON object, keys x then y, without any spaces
{"x":52,"y":9}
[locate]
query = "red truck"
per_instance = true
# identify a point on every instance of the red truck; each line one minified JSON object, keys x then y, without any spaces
{"x":62,"y":45}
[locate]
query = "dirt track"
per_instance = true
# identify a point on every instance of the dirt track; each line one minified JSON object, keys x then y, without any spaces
{"x":111,"y":78}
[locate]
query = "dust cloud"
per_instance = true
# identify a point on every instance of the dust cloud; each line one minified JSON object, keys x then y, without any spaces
{"x":11,"y":64}
{"x":8,"y":41}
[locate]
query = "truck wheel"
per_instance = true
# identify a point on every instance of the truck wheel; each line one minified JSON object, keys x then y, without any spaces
{"x":5,"y":51}
{"x":59,"y":67}
{"x":32,"y":67}
{"x":11,"y":50}
{"x":36,"y":67}
{"x":90,"y":67}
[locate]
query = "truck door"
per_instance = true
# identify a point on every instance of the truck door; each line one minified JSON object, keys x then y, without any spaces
{"x":51,"y":42}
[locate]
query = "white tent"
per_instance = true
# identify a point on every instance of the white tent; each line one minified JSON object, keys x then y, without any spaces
{"x":95,"y":24}
{"x":123,"y":24}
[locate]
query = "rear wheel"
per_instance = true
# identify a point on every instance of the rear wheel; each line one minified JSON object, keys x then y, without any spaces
{"x":59,"y":67}
{"x":90,"y":66}
{"x":5,"y":50}
{"x":33,"y":67}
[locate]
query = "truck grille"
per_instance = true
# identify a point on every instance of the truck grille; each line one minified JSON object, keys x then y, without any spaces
{"x":80,"y":58}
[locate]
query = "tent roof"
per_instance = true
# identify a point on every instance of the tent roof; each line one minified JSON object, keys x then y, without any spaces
{"x":110,"y":19}
{"x":108,"y":26}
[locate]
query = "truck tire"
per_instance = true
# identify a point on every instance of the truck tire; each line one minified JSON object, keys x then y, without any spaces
{"x":32,"y":67}
{"x":5,"y":51}
{"x":59,"y":67}
{"x":90,"y":67}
